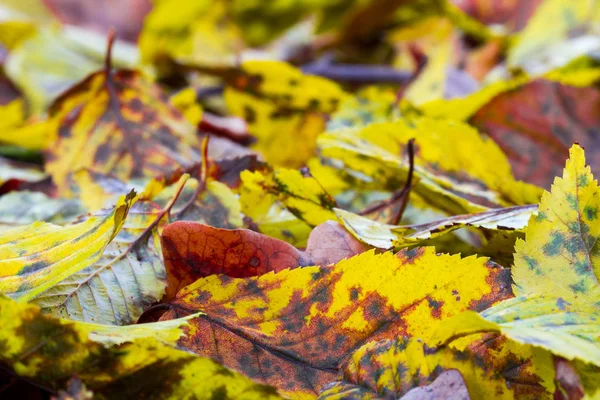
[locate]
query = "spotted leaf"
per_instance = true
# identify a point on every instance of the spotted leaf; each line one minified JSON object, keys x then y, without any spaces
{"x":118,"y":123}
{"x":296,"y":328}
{"x":108,"y":360}
{"x":555,"y":274}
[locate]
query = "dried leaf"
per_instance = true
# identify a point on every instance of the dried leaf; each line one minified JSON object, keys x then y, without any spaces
{"x":193,"y":251}
{"x":120,"y":124}
{"x":295,"y":329}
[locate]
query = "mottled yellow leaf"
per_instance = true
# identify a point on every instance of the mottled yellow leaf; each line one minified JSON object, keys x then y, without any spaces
{"x":131,"y":362}
{"x":555,"y":274}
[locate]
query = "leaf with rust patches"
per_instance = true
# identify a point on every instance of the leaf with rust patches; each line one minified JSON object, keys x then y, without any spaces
{"x":503,"y":225}
{"x":36,"y":257}
{"x":393,"y":369}
{"x":118,"y":123}
{"x":284,"y":109}
{"x":456,"y":170}
{"x":555,"y":274}
{"x":193,"y":251}
{"x":295,"y":329}
{"x":49,"y":351}
{"x":537,"y":141}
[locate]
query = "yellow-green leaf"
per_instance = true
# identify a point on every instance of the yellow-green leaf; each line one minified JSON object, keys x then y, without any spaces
{"x":131,"y":362}
{"x":555,"y":274}
{"x":34,"y":258}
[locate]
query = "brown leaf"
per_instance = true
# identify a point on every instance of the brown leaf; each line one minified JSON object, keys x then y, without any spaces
{"x":568,"y":383}
{"x":193,"y":250}
{"x":537,"y":123}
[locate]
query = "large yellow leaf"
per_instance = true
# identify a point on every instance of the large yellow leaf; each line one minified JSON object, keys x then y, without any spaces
{"x":555,"y":274}
{"x":128,"y":362}
{"x":294,"y":329}
{"x":34,"y":258}
{"x":457,"y":170}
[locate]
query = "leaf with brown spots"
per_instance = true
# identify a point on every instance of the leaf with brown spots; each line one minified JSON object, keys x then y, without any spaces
{"x":121,"y":362}
{"x":555,"y":274}
{"x":408,"y":369}
{"x":119,"y":123}
{"x":296,"y":328}
{"x":193,"y":251}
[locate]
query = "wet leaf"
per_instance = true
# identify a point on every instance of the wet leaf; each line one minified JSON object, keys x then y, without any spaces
{"x":294,"y":329}
{"x":555,"y":274}
{"x":49,"y":351}
{"x":193,"y":251}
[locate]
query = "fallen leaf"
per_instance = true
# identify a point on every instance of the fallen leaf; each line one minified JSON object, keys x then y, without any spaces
{"x":49,"y":351}
{"x":118,"y":123}
{"x":193,"y":251}
{"x":555,"y":274}
{"x":36,"y":257}
{"x":295,"y":329}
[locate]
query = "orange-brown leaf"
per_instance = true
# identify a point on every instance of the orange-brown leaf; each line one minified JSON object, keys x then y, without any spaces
{"x":193,"y":250}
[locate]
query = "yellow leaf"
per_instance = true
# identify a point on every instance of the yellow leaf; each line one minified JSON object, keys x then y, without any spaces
{"x":36,"y":257}
{"x":555,"y":274}
{"x":49,"y":351}
{"x":304,"y":322}
{"x":285,"y":109}
{"x":118,"y":124}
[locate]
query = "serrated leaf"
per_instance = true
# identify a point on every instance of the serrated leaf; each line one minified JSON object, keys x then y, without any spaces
{"x":555,"y":274}
{"x":510,"y":220}
{"x":294,"y":329}
{"x":36,"y":257}
{"x":49,"y":351}
{"x":491,"y":368}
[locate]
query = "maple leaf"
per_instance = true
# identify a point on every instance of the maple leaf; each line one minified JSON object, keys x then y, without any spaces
{"x":109,"y":360}
{"x":193,"y":251}
{"x":118,"y":123}
{"x":294,"y":329}
{"x":555,"y":274}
